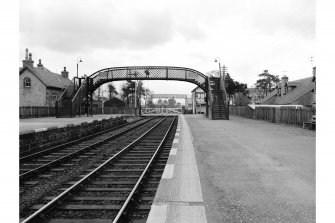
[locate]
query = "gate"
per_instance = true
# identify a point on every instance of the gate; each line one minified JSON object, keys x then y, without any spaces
{"x":161,"y":111}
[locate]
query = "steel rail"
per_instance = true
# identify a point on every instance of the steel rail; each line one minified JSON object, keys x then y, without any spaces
{"x":43,"y":152}
{"x":34,"y":217}
{"x":46,"y":166}
{"x":130,"y":196}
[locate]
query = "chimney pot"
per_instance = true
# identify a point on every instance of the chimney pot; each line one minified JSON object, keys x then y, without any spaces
{"x":39,"y":63}
{"x":26,"y":53}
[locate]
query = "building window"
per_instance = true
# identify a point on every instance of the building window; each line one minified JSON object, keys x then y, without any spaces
{"x":54,"y":97}
{"x":27,"y":82}
{"x":199,"y":95}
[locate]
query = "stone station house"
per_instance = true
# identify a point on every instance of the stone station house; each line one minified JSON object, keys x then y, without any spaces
{"x":39,"y":87}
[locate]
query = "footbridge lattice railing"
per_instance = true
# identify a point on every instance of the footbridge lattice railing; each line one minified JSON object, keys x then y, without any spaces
{"x":148,"y":73}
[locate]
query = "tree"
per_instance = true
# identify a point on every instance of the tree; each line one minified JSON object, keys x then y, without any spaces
{"x":230,"y":85}
{"x":241,"y":88}
{"x":171,"y":103}
{"x":126,"y":91}
{"x":233,"y":87}
{"x":150,"y":104}
{"x":266,"y":83}
{"x":140,"y":91}
{"x":112,"y":91}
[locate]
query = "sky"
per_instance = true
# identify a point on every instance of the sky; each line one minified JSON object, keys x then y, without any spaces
{"x":247,"y":36}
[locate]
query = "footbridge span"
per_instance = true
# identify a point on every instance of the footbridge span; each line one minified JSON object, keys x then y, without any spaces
{"x":69,"y":103}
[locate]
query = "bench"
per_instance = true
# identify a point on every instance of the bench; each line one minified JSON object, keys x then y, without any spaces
{"x":310,"y":124}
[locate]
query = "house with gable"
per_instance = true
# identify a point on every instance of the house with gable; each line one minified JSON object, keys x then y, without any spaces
{"x":39,"y":86}
{"x":298,"y":92}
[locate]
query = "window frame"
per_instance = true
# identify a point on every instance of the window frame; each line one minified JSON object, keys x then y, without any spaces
{"x":54,"y":97}
{"x":27,"y":82}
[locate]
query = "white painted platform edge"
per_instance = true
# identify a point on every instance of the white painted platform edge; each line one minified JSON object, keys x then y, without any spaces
{"x":157,"y":214}
{"x":41,"y":129}
{"x":175,"y":141}
{"x":173,"y":152}
{"x":168,"y":171}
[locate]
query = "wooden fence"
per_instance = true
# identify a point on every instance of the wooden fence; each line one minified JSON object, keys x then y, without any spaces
{"x":36,"y":112}
{"x":287,"y":115}
{"x":113,"y":110}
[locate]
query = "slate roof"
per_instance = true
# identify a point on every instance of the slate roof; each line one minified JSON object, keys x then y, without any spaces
{"x":301,"y":87}
{"x":267,"y":97}
{"x":49,"y":78}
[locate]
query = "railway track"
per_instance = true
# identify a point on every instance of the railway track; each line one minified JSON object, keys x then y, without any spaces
{"x":49,"y":180}
{"x":31,"y":165}
{"x":107,"y":191}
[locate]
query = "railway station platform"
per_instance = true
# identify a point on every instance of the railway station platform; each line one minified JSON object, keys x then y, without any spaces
{"x":237,"y":170}
{"x":38,"y":124}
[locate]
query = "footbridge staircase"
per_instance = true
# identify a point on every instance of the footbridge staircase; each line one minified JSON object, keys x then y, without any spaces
{"x":70,"y":103}
{"x":219,"y":108}
{"x":77,"y":97}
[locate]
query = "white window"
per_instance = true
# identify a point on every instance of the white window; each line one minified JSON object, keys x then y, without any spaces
{"x":27,"y":82}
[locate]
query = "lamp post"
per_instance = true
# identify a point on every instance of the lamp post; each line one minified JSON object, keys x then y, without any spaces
{"x":78,"y":61}
{"x":217,"y":59}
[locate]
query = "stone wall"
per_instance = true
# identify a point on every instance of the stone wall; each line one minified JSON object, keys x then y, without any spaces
{"x":31,"y":142}
{"x":50,"y":101}
{"x":35,"y":95}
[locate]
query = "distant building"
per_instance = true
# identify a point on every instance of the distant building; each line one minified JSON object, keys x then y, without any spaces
{"x":199,"y":103}
{"x":298,"y":92}
{"x":38,"y":85}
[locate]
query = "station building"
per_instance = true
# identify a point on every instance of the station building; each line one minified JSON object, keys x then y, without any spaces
{"x":39,"y":86}
{"x":198,"y":101}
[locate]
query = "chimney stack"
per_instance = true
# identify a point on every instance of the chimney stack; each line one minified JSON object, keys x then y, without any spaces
{"x":65,"y":73}
{"x":39,"y":63}
{"x":28,"y":60}
{"x":284,"y":82}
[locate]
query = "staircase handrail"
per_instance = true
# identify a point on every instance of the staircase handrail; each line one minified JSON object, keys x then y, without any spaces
{"x":77,"y":98}
{"x":224,"y":96}
{"x":209,"y":97}
{"x":61,"y":96}
{"x":79,"y":89}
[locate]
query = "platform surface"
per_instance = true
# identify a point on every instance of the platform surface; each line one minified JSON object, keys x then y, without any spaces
{"x":32,"y":124}
{"x":237,"y":170}
{"x":179,"y":197}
